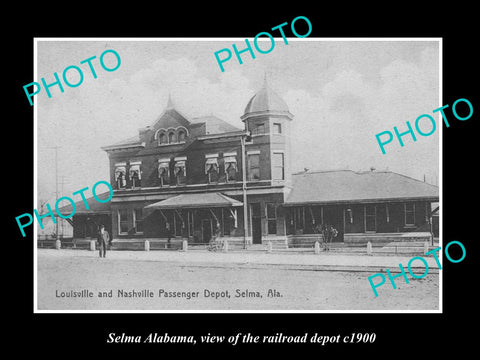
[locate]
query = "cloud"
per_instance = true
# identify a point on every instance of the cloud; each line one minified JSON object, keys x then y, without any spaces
{"x":340,"y":122}
{"x":336,"y":122}
{"x":104,"y":111}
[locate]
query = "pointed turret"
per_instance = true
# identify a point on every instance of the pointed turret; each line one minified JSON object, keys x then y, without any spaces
{"x":169,"y":103}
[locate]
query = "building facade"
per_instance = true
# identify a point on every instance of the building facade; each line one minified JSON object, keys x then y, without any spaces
{"x":200,"y":178}
{"x":376,"y":206}
{"x":184,"y":178}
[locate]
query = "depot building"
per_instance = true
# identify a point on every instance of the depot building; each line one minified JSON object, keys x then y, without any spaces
{"x":193,"y":179}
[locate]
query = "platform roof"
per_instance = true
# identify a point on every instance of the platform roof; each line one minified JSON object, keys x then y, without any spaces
{"x":347,"y":186}
{"x":196,"y":200}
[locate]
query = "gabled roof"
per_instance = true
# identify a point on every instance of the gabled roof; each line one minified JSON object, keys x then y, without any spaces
{"x":322,"y":187}
{"x":173,"y":114}
{"x":213,"y":125}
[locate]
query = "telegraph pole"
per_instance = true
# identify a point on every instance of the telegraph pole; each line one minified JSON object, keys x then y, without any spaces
{"x":56,"y":183}
{"x":60,"y":219}
{"x":243,"y":138}
{"x":244,"y":192}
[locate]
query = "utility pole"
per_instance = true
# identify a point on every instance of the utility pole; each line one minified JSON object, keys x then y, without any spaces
{"x":56,"y":183}
{"x":244,"y":191}
{"x":243,"y":138}
{"x":60,"y":219}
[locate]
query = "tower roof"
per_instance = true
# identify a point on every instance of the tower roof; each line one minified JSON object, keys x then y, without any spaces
{"x":170,"y":104}
{"x":265,"y":101}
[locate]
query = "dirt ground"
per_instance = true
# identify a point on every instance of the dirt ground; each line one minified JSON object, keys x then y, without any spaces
{"x":277,"y":288}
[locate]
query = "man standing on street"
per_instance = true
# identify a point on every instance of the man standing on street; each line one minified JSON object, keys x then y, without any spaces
{"x":103,"y":240}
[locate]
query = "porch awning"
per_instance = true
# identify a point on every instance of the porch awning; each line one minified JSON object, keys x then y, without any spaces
{"x":190,"y":201}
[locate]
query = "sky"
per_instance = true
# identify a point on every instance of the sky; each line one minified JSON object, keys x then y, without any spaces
{"x":341,"y":93}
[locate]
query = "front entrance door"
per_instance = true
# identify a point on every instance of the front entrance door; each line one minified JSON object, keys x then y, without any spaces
{"x":206,"y":230}
{"x":256,"y":223}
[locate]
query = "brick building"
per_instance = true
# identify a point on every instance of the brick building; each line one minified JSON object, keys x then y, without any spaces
{"x":183,"y":178}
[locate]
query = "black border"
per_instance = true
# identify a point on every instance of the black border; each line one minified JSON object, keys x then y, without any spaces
{"x":60,"y":335}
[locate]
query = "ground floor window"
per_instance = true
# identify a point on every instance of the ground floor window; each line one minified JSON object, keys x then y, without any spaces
{"x":271,"y":212}
{"x":190,"y":222}
{"x":409,"y":214}
{"x":122,"y":221}
{"x":138,"y":220}
{"x":370,"y":218}
{"x":299,"y":218}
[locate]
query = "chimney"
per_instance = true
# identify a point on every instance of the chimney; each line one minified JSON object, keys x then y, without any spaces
{"x":143,"y":130}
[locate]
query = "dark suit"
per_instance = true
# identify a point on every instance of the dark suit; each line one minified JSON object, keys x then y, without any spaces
{"x":103,"y":241}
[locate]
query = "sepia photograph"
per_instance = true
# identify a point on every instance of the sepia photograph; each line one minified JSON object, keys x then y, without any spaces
{"x":171,"y":177}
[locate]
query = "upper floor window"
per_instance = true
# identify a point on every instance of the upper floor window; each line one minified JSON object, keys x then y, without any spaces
{"x":278,"y":171}
{"x":162,"y":138}
{"x":253,"y":163}
{"x":230,"y":162}
{"x":277,"y":128}
{"x":120,"y":175}
{"x":180,"y":170}
{"x":258,"y":129}
{"x":164,"y":171}
{"x":135,"y":174}
{"x":171,"y":135}
{"x":211,"y":168}
{"x":181,"y":135}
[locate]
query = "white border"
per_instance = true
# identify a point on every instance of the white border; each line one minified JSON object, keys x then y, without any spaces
{"x":386,"y":39}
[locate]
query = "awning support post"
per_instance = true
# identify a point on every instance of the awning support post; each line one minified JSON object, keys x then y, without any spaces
{"x":181,"y":218}
{"x":213,"y":214}
{"x":164,"y":217}
{"x":234,"y":215}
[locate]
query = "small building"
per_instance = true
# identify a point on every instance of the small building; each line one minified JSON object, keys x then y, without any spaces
{"x":376,"y":206}
{"x":86,"y":220}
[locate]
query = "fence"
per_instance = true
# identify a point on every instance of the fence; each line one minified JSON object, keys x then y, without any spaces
{"x":395,"y":248}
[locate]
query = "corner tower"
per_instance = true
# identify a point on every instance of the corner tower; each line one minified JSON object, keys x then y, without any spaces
{"x":268,"y":119}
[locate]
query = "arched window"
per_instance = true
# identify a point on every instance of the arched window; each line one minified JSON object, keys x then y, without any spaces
{"x":171,"y":137}
{"x":162,"y":138}
{"x":181,"y":135}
